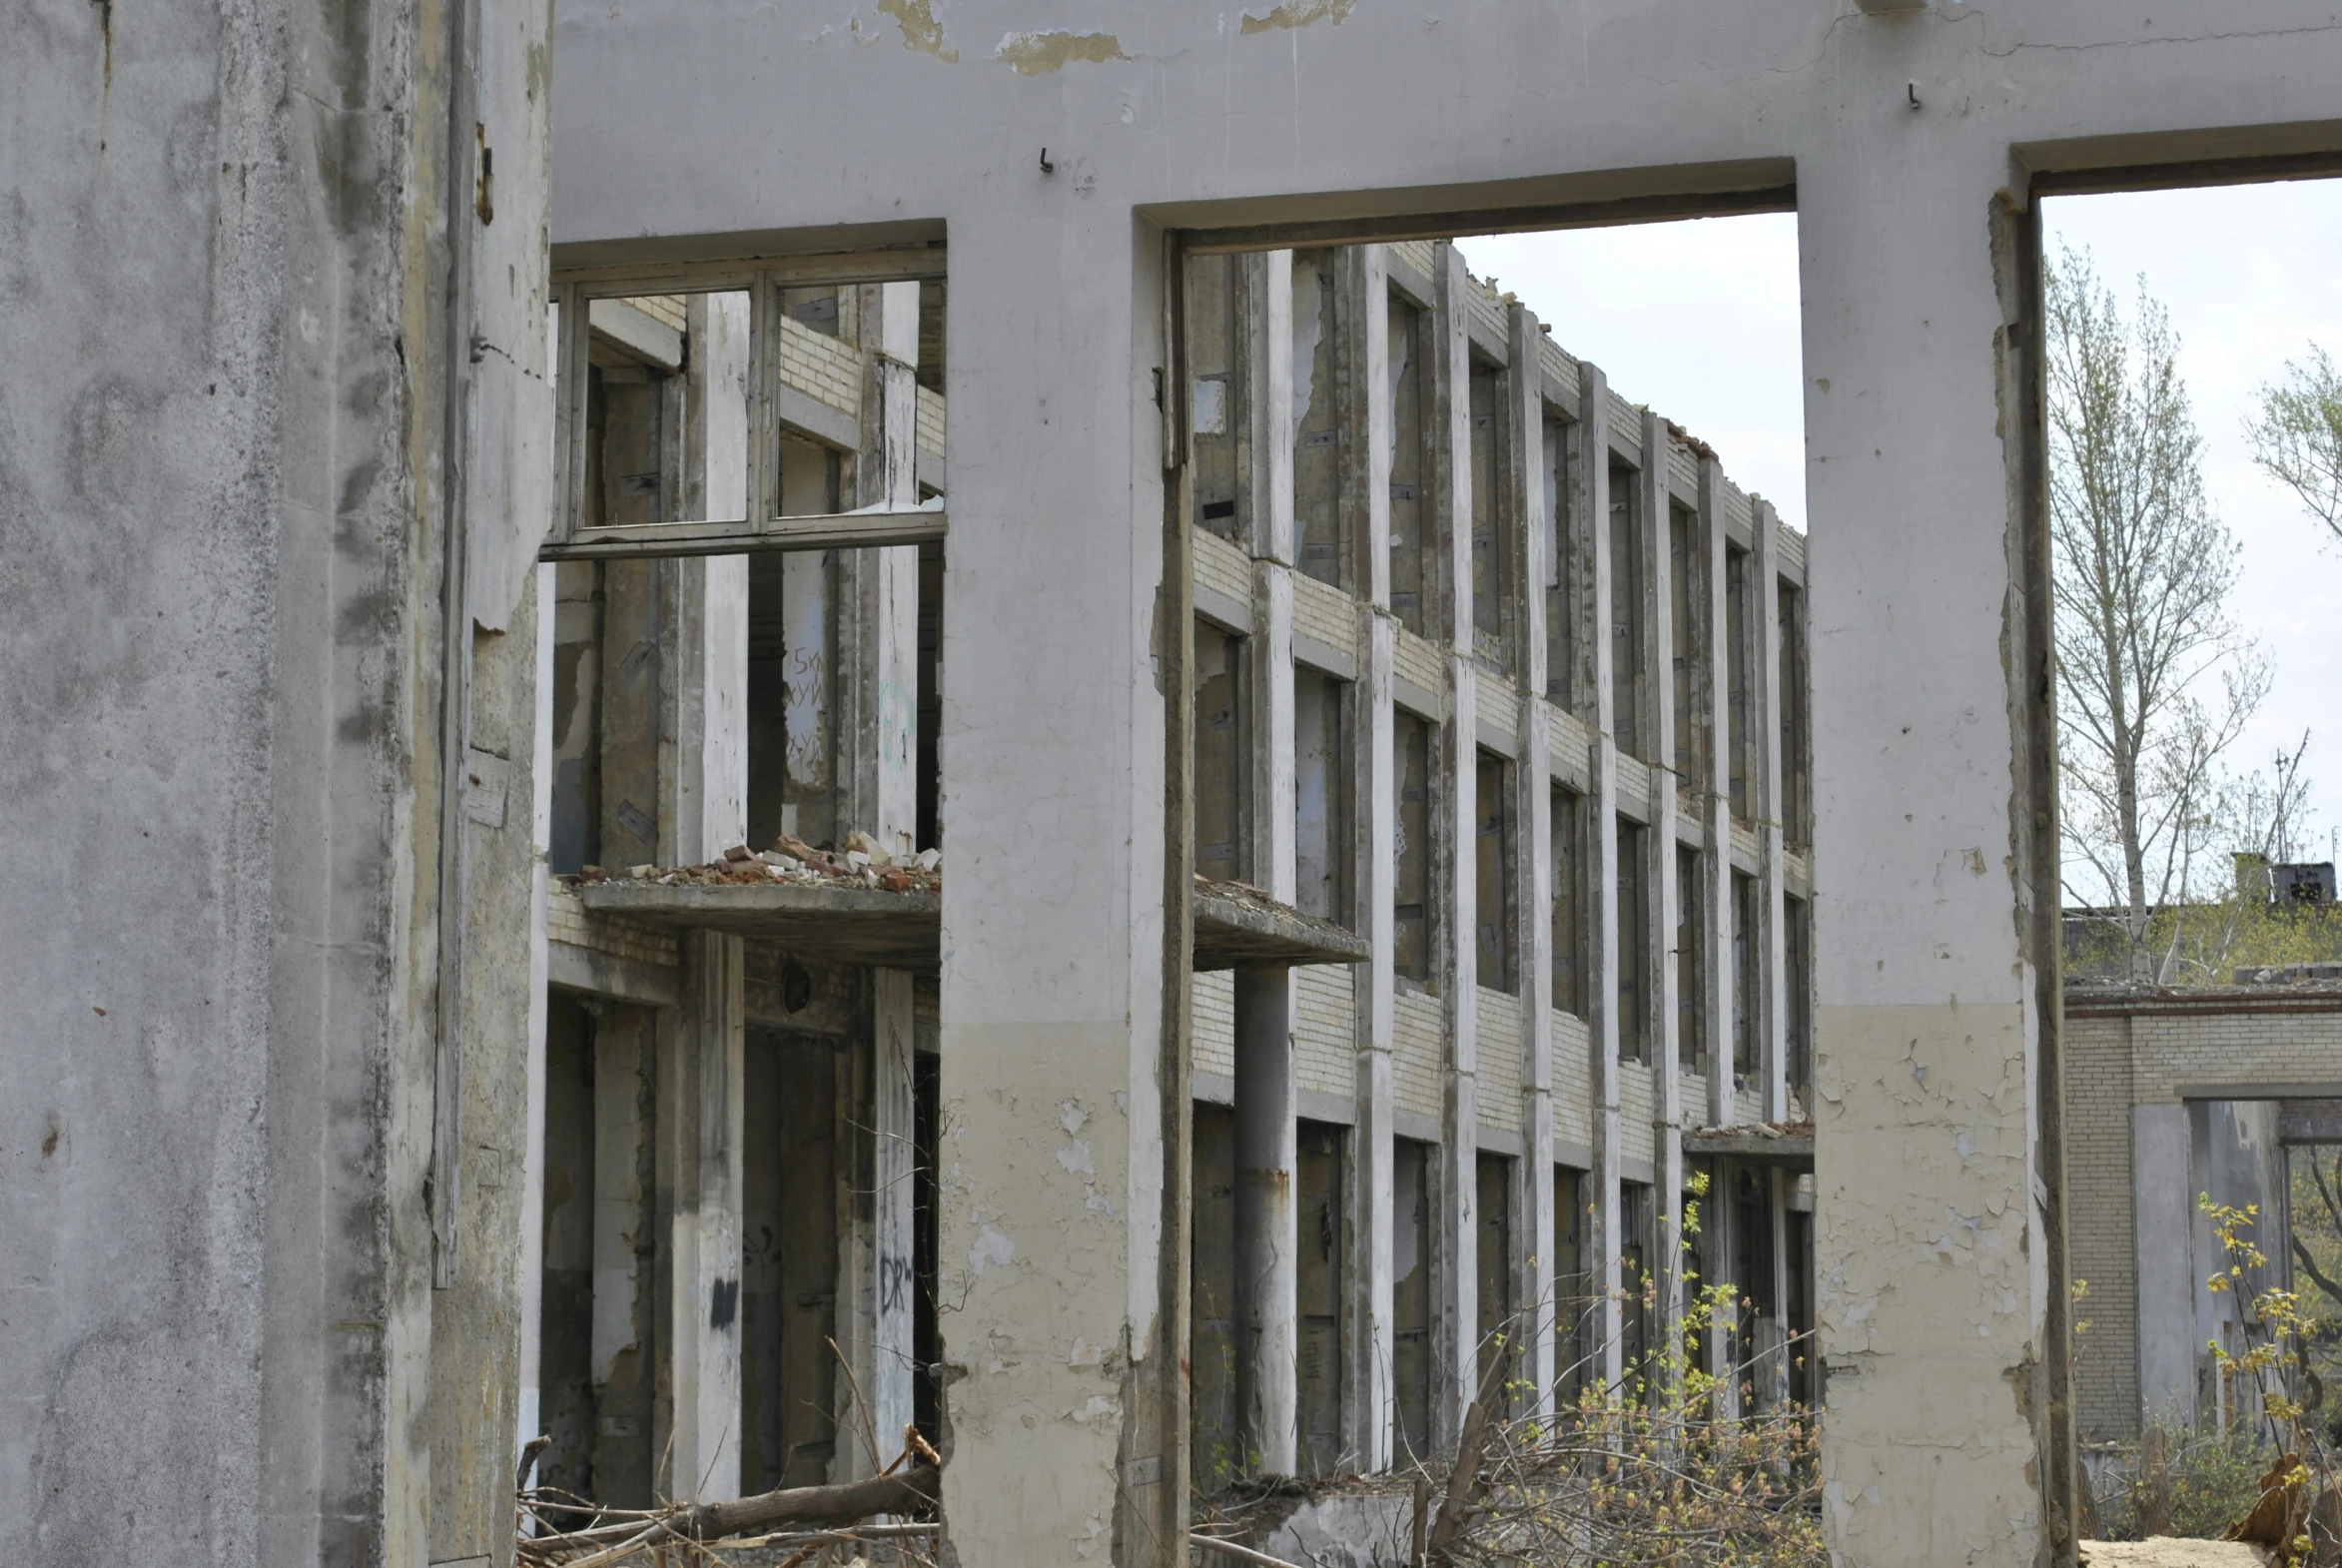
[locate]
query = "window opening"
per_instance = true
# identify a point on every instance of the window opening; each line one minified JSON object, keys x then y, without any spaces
{"x":1633,"y":943}
{"x":1411,"y":887}
{"x":1410,"y":1296}
{"x":1493,"y":874}
{"x":1322,"y":1231}
{"x":1411,"y":571}
{"x":1569,"y":902}
{"x":1321,"y":845}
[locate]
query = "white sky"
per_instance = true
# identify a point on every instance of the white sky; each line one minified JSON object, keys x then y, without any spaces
{"x":1700,"y":321}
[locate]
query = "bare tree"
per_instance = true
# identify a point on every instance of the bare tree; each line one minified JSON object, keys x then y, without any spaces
{"x":2297,"y":435}
{"x":2143,"y":570}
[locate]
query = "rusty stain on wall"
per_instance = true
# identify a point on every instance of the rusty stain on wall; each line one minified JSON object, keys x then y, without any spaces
{"x":921,"y":31}
{"x":1300,"y":13}
{"x":1033,"y":54}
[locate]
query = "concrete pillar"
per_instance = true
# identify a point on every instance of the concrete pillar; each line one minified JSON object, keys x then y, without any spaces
{"x":1374,"y":1017}
{"x":1664,"y":899}
{"x":1771,"y":1001}
{"x":1523,"y":413}
{"x":1374,"y":803}
{"x":1064,"y":1191}
{"x":702,"y":1057}
{"x":1936,"y":1285}
{"x":532,"y":1164}
{"x":708,"y":800}
{"x":878,"y":743}
{"x":1267,"y":1389}
{"x":1591,"y":489}
{"x":1718,"y":971}
{"x":1455,"y":1276}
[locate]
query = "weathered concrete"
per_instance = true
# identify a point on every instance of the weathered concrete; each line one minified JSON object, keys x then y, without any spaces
{"x":252,"y":295}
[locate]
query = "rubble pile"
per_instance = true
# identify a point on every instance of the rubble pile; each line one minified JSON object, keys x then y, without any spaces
{"x":864,"y":863}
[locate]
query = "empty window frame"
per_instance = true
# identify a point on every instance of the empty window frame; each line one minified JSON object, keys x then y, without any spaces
{"x":1573,"y":1294}
{"x":1411,"y":887}
{"x":1410,"y":1298}
{"x":1321,"y":522}
{"x":1322,"y":1285}
{"x":1321,"y":795}
{"x":1216,"y":354}
{"x":1492,"y":886}
{"x":1797,"y":990}
{"x":672,"y":405}
{"x":802,"y":1125}
{"x":1691,"y":969}
{"x":1752,"y":1268}
{"x":1635,"y":1255}
{"x":1745,"y":974}
{"x":1796,"y":737}
{"x":1689,"y":646}
{"x":1570,"y":904}
{"x":1561,"y":610}
{"x":1492,"y":575}
{"x":1413,"y":570}
{"x":1740,"y":715}
{"x":1627,"y":630}
{"x":1499,"y":1334}
{"x":1219,"y":754}
{"x":1634,"y":942}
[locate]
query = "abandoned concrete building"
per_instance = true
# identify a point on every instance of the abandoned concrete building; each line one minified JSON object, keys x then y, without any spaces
{"x":1500,"y":916}
{"x":995,"y":469}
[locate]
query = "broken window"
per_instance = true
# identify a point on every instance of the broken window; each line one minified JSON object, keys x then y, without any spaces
{"x":1569,"y":902}
{"x":1413,"y":570}
{"x":1491,"y":562}
{"x":1636,"y":1283}
{"x":1742,"y":697}
{"x":1215,"y":393}
{"x":1633,"y":943}
{"x":1218,"y":754}
{"x":1321,"y":796}
{"x":598,"y":1286}
{"x":1411,"y":889}
{"x":576,"y":841}
{"x":1691,"y":970}
{"x":1322,"y":1231}
{"x":796,"y":1121}
{"x":1797,"y":800}
{"x":1493,"y":874}
{"x":1212,"y":1328}
{"x":1745,"y":956}
{"x":1499,"y":1335}
{"x":1626,"y":613}
{"x":1410,"y":1296}
{"x":1318,"y":520}
{"x":1561,"y":620}
{"x":1573,"y":1298}
{"x":1797,"y":985}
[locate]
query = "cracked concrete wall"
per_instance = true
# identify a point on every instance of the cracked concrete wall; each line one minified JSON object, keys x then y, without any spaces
{"x":222,"y":458}
{"x":1899,"y":133}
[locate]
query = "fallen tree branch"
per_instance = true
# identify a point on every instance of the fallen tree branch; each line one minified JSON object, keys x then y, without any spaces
{"x":815,"y":1507}
{"x":1242,"y":1554}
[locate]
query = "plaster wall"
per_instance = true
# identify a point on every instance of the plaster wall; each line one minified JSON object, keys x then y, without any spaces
{"x":674,"y":125}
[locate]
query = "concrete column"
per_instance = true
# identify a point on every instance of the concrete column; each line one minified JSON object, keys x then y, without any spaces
{"x":625,"y":1294}
{"x":1455,"y":1276}
{"x":1663,"y":903}
{"x":1374,"y":802}
{"x":1267,"y":1388}
{"x":532,"y":1179}
{"x":1591,"y":488}
{"x":1374,"y":985}
{"x":1273,"y":410}
{"x":700,"y":1137}
{"x":1064,"y":1192}
{"x":878,"y":743}
{"x":1719,"y":974}
{"x":708,"y":802}
{"x":1934,"y":1286}
{"x":1537,"y":1268}
{"x":1772,"y":851}
{"x":2162,"y":1207}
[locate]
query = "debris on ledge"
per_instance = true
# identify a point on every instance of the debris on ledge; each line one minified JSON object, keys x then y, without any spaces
{"x":863,"y":863}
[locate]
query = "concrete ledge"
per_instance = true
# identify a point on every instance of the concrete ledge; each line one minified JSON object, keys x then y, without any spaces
{"x":1244,"y":928}
{"x":842,"y":925}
